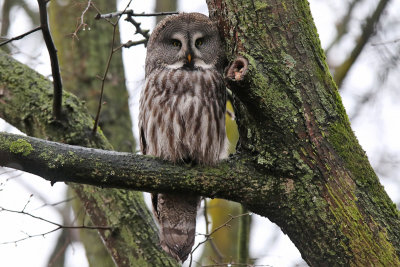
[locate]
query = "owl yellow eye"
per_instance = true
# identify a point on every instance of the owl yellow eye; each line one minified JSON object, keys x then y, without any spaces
{"x":199,"y":42}
{"x":176,"y":43}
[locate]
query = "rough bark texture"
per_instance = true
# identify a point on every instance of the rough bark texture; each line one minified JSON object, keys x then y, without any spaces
{"x":331,"y":203}
{"x":299,"y":164}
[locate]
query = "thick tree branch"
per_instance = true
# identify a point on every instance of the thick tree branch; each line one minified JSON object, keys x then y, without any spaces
{"x":234,"y":179}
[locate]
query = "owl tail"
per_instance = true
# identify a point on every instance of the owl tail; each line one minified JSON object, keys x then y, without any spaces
{"x":176,"y":216}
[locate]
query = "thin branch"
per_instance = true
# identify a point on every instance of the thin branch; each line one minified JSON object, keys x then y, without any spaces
{"x":55,"y":68}
{"x":21,"y":36}
{"x":130,"y":12}
{"x":343,"y":25}
{"x":208,"y":236}
{"x":27,"y":203}
{"x":132,"y":43}
{"x":59,"y":250}
{"x":56,"y":203}
{"x":58,"y":226}
{"x":81,"y":23}
{"x":103,"y":79}
{"x":386,"y":42}
{"x":341,"y":71}
{"x":139,"y":30}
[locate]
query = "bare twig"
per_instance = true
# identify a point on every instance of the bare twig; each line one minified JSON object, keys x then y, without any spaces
{"x":130,"y":12}
{"x":112,"y":50}
{"x":139,"y":30}
{"x":386,"y":42}
{"x":56,"y":203}
{"x":132,"y":43}
{"x":58,"y":226}
{"x":81,"y":23}
{"x":55,"y":68}
{"x":103,"y":79}
{"x":20,"y":36}
{"x":208,"y":236}
{"x":27,"y":203}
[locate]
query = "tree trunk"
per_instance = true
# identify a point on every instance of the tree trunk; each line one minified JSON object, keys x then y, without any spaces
{"x":327,"y":198}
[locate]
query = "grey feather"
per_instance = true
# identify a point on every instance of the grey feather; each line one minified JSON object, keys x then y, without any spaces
{"x":182,"y":114}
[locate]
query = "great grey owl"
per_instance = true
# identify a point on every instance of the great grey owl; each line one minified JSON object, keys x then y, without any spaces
{"x":182,"y":114}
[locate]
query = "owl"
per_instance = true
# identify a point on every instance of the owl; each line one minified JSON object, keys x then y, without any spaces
{"x":182,"y":115}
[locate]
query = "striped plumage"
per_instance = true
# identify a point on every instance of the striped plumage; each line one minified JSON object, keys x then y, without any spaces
{"x":182,"y":115}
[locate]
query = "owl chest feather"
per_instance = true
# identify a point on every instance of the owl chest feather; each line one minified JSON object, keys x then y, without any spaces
{"x":182,"y":115}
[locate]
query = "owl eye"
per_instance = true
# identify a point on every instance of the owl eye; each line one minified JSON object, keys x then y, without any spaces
{"x":199,"y":42}
{"x":176,"y":43}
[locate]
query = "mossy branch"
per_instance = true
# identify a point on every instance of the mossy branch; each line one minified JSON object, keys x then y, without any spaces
{"x":233,"y":179}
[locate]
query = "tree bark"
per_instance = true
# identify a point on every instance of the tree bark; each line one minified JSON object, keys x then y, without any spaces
{"x":299,"y":162}
{"x":328,"y":199}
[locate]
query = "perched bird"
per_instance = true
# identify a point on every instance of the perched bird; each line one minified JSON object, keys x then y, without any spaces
{"x":182,"y":114}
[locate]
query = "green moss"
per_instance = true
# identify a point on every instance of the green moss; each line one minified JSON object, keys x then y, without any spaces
{"x":260,"y":5}
{"x":289,"y":61}
{"x":346,"y":145}
{"x":21,"y":146}
{"x":360,"y":235}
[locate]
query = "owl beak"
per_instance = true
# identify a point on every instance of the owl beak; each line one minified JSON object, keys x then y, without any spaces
{"x":189,"y":57}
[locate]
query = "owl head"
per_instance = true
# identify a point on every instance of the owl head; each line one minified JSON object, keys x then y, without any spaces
{"x":187,"y":40}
